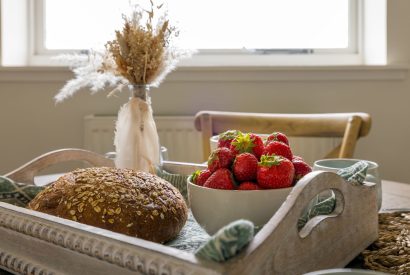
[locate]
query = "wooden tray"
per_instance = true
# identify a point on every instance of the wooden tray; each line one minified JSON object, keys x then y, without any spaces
{"x":35,"y":243}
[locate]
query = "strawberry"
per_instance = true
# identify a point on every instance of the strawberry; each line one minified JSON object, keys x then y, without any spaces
{"x":278,"y":136}
{"x":220,"y":179}
{"x":278,"y":148}
{"x":244,"y":167}
{"x":247,"y":143}
{"x":225,"y":139}
{"x":296,"y":158}
{"x":275,"y":172}
{"x":301,"y":169}
{"x":248,"y":185}
{"x":199,"y":177}
{"x":220,"y":158}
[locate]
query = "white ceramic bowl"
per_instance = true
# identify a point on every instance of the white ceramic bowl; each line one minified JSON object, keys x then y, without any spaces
{"x":213,"y":141}
{"x":215,"y":208}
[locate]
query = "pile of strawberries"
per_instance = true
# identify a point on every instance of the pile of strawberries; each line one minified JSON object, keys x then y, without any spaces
{"x":244,"y":161}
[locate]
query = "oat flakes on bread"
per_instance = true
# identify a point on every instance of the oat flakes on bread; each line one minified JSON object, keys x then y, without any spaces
{"x":134,"y":203}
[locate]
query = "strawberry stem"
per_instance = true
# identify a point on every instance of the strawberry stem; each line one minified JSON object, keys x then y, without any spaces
{"x":229,"y":135}
{"x":243,"y":143}
{"x":195,"y":175}
{"x":213,"y":157}
{"x":270,"y":160}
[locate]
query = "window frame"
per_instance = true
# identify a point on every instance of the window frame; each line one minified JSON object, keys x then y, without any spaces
{"x":223,"y":57}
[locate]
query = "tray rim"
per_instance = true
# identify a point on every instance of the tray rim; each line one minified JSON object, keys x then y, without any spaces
{"x":66,"y":234}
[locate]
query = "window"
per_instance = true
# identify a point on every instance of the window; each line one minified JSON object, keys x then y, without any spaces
{"x":228,"y":33}
{"x":258,"y":26}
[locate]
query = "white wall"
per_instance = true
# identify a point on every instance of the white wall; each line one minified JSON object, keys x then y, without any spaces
{"x":31,"y":124}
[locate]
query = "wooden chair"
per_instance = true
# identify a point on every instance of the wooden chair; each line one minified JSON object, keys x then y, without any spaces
{"x":347,"y":126}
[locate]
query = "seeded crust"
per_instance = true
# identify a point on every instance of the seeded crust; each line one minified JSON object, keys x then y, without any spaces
{"x":121,"y":200}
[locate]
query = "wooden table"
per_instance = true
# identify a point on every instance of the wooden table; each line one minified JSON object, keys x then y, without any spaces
{"x":395,"y":195}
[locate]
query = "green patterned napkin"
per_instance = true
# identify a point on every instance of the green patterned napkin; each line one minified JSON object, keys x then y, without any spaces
{"x":227,"y":242}
{"x":191,"y":237}
{"x":17,"y":193}
{"x":355,"y":174}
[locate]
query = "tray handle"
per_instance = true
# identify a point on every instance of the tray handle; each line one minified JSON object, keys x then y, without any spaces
{"x":27,"y":172}
{"x":326,"y":241}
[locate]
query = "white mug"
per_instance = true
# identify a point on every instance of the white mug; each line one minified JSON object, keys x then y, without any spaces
{"x":334,"y":165}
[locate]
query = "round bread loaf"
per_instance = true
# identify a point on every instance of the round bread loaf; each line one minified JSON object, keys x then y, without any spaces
{"x":134,"y":203}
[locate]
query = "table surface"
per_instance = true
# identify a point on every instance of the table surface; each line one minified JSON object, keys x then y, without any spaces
{"x":395,"y":195}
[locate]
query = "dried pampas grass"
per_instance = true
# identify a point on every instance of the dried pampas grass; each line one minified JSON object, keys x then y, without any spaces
{"x":141,"y":54}
{"x":87,"y":75}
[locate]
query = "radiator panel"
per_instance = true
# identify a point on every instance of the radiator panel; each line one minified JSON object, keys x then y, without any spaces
{"x":178,"y":135}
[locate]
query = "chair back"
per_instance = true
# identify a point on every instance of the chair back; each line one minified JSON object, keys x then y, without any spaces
{"x":347,"y":128}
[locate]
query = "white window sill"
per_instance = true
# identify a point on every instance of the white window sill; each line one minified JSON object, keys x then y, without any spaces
{"x":231,"y":73}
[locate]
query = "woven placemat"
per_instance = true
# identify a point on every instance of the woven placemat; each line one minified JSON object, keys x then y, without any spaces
{"x":390,"y":253}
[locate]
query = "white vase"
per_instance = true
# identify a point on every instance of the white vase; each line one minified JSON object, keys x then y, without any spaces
{"x":136,"y":139}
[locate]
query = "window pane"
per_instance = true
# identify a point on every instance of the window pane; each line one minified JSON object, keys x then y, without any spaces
{"x":208,"y":24}
{"x":82,"y":24}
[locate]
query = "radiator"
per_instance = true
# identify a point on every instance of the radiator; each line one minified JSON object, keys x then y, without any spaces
{"x":176,"y":133}
{"x":183,"y":142}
